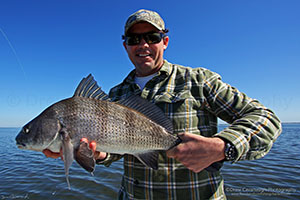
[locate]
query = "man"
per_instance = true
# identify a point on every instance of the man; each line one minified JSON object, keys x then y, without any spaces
{"x":193,"y":99}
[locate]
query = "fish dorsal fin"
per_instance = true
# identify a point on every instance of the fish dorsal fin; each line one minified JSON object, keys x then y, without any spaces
{"x":150,"y":110}
{"x":89,"y":88}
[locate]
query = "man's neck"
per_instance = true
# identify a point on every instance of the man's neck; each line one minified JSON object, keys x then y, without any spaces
{"x":142,"y":81}
{"x":153,"y":71}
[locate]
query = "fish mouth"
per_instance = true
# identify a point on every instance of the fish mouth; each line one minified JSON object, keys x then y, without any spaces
{"x":26,"y":147}
{"x":21,"y":145}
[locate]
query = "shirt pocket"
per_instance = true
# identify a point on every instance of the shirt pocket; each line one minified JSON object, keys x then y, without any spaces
{"x":180,"y":107}
{"x":167,"y":97}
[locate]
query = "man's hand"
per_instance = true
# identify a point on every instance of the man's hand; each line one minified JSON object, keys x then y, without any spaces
{"x":197,"y":152}
{"x":92,"y":145}
{"x":50,"y":154}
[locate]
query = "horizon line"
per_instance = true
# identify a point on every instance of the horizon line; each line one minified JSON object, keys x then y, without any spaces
{"x":218,"y":124}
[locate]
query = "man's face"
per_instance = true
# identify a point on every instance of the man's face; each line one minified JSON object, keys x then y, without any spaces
{"x":147,"y":58}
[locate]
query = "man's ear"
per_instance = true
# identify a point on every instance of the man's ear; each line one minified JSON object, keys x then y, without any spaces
{"x":166,"y":42}
{"x":124,"y":44}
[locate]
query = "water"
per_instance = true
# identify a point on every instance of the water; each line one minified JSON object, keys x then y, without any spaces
{"x":30,"y":175}
{"x":276,"y":176}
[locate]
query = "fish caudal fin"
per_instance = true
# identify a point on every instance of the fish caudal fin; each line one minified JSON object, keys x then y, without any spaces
{"x":89,"y":88}
{"x":85,"y":157}
{"x":149,"y":159}
{"x":67,"y":149}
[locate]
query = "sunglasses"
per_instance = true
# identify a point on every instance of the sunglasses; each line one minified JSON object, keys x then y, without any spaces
{"x":150,"y":38}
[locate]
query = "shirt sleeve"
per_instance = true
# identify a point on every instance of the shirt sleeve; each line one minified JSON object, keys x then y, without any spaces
{"x":110,"y":158}
{"x":253,"y":127}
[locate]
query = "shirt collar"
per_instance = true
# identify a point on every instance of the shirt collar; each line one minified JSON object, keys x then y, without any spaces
{"x":164,"y":71}
{"x":166,"y":68}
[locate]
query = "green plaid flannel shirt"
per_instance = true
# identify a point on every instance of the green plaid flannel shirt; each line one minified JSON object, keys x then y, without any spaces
{"x":193,"y":98}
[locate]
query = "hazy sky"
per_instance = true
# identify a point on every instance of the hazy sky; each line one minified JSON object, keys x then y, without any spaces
{"x":47,"y":47}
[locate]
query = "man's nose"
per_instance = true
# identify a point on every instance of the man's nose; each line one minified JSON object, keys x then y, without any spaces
{"x":143,"y":42}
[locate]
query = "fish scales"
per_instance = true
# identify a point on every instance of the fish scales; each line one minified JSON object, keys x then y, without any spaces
{"x":114,"y":127}
{"x":130,"y":126}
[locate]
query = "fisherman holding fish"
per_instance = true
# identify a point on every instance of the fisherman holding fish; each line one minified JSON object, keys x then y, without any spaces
{"x":192,"y":99}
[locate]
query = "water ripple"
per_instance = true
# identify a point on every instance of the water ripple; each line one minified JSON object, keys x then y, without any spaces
{"x":30,"y":175}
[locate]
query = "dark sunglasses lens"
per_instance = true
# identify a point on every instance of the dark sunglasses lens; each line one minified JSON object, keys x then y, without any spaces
{"x":133,"y":40}
{"x":150,"y":38}
{"x":153,"y":38}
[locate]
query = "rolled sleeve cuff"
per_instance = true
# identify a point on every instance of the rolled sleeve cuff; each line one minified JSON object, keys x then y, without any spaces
{"x":239,"y":141}
{"x":110,"y":158}
{"x":99,"y":162}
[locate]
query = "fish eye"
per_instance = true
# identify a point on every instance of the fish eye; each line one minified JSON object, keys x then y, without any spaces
{"x":26,"y":130}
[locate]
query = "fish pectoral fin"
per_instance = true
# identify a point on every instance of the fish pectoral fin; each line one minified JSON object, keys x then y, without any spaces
{"x":149,"y":159}
{"x":85,"y":157}
{"x":68,"y":154}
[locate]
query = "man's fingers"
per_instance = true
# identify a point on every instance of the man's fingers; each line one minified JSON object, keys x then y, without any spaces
{"x":84,"y":140}
{"x":186,"y":137}
{"x":93,"y":145}
{"x":181,"y":134}
{"x":50,"y":154}
{"x":172,"y":152}
{"x":97,"y":154}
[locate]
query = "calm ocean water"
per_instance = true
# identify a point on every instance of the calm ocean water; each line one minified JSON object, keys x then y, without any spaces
{"x":30,"y":175}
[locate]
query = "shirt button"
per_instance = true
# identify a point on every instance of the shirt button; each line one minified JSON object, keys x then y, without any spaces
{"x":136,"y":182}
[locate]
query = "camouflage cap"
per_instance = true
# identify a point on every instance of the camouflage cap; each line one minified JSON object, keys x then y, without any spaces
{"x":145,"y":16}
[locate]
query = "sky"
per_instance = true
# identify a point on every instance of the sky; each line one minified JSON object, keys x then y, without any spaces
{"x":47,"y":47}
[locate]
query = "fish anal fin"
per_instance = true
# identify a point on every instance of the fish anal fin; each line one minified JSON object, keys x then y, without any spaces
{"x":84,"y":156}
{"x":150,"y":159}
